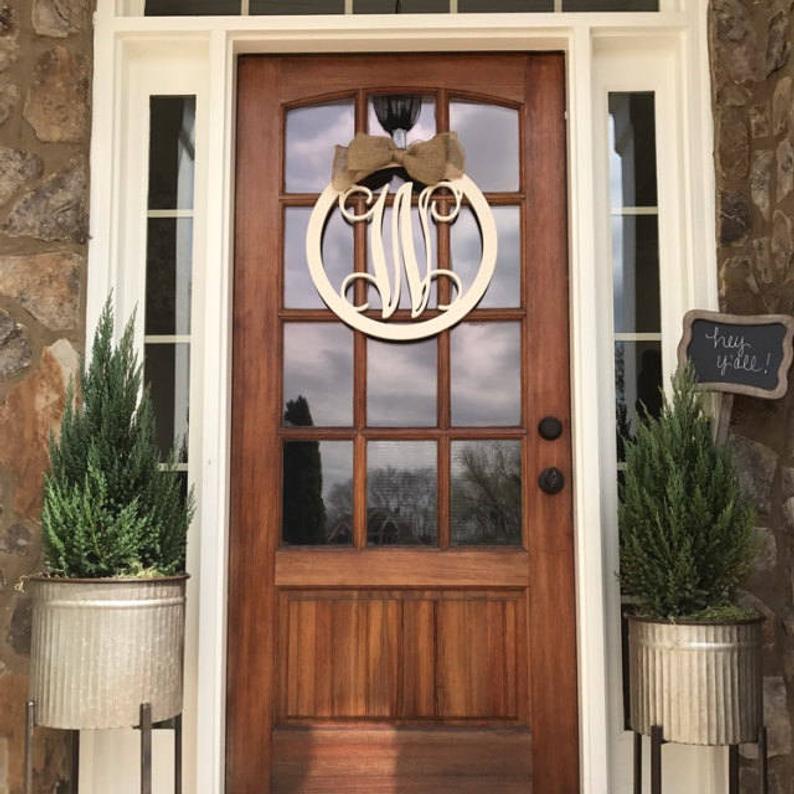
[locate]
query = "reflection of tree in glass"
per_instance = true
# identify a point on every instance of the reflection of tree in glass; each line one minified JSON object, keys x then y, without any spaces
{"x":486,"y":494}
{"x":648,"y":388}
{"x":304,"y":509}
{"x":622,"y":411}
{"x":649,"y":383}
{"x":401,"y":506}
{"x":339,"y":513}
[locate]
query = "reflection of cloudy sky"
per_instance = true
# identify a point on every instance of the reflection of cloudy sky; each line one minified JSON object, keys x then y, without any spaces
{"x":615,"y":168}
{"x":312,"y":133}
{"x":337,"y":463}
{"x":489,"y":134}
{"x":401,"y":455}
{"x":299,"y":290}
{"x":466,"y":242}
{"x":401,"y":383}
{"x":318,"y":364}
{"x":486,"y":368}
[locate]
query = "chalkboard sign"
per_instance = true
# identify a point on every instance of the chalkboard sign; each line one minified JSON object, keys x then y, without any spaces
{"x":739,"y":354}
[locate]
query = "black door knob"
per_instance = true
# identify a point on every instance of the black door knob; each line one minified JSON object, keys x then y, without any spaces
{"x":550,"y":428}
{"x":551,"y":480}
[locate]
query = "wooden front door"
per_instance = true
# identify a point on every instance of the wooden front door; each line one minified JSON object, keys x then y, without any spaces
{"x":401,"y":603}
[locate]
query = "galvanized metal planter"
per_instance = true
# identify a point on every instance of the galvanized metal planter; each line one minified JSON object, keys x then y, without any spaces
{"x":701,"y":683}
{"x":102,"y":647}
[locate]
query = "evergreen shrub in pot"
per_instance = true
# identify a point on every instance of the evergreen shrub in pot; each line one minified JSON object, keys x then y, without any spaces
{"x":109,"y":610}
{"x":686,"y":537}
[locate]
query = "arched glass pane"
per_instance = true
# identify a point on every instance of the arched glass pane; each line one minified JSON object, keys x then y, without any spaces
{"x":312,"y":133}
{"x":489,"y":134}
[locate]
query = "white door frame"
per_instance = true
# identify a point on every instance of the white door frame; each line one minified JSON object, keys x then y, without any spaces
{"x":666,"y":52}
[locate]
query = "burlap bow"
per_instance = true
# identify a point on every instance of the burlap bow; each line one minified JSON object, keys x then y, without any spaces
{"x":428,"y":162}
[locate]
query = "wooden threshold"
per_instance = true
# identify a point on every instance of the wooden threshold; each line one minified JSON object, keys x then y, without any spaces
{"x":395,"y":567}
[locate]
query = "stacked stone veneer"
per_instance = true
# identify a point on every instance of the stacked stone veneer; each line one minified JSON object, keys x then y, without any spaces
{"x":45,"y":67}
{"x":753,"y":86}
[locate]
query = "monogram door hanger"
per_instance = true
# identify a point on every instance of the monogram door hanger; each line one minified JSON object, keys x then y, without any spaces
{"x":438,"y":165}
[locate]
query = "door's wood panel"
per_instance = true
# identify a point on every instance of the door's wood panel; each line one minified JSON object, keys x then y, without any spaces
{"x":477,"y":664}
{"x":402,"y":761}
{"x":487,"y":75}
{"x":401,"y":655}
{"x":340,"y":658}
{"x":418,"y":690}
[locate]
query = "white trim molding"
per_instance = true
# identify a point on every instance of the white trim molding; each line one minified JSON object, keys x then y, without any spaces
{"x":666,"y":52}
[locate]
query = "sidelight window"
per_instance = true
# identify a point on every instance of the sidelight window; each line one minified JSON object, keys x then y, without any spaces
{"x":169,"y":267}
{"x":635,"y":259}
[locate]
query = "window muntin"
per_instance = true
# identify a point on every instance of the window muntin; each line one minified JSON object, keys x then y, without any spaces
{"x":169,"y":269}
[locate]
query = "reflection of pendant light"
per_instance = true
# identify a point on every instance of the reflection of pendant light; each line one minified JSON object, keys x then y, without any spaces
{"x":397,"y":114}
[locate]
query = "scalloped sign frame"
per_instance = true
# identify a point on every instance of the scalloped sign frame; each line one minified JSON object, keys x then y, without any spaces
{"x":739,"y":354}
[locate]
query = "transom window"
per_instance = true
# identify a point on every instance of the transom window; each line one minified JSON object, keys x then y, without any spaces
{"x":311,"y":7}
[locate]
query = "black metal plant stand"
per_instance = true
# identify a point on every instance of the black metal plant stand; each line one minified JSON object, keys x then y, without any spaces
{"x":145,"y":726}
{"x":658,"y":741}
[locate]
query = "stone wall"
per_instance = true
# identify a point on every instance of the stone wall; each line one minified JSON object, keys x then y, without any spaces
{"x":753,"y":84}
{"x":45,"y":67}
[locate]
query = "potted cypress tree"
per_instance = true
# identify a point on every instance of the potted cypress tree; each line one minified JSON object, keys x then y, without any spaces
{"x":109,"y":610}
{"x":686,"y":545}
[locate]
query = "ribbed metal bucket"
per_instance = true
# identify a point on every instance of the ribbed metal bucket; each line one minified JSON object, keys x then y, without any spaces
{"x":102,"y":647}
{"x":701,"y":683}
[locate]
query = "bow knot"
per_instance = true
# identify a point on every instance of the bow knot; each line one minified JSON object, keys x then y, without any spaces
{"x":428,"y":162}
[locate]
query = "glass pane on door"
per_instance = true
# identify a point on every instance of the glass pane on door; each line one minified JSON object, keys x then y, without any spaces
{"x":486,"y":493}
{"x":466,"y":244}
{"x":479,"y":126}
{"x":317,"y":507}
{"x":318,"y":375}
{"x":401,"y":493}
{"x":401,"y":383}
{"x":486,"y":374}
{"x":312,"y":133}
